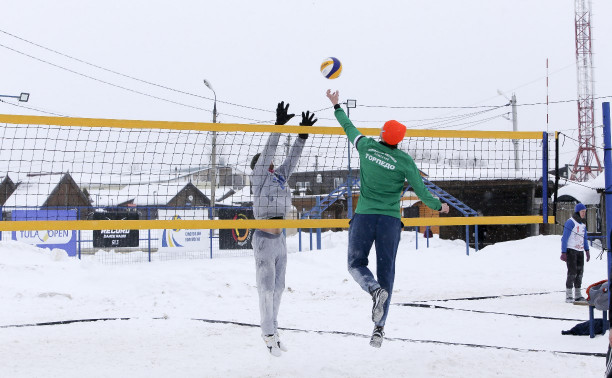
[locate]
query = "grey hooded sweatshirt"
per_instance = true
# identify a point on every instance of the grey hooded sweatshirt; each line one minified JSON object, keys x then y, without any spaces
{"x":272,"y":196}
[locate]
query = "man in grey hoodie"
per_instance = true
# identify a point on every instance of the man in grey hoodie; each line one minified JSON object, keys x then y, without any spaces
{"x":272,"y":200}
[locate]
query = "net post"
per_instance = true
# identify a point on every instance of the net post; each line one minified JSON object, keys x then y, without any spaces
{"x":556,"y":174}
{"x":467,"y":239}
{"x":475,"y":238}
{"x":608,"y":177}
{"x":310,"y":234}
{"x":210,"y":232}
{"x":149,"y":232}
{"x":545,"y":177}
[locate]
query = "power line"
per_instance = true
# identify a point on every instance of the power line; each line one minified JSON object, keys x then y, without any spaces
{"x":560,"y":101}
{"x":429,"y":107}
{"x":119,"y":86}
{"x":32,"y":108}
{"x":492,"y":107}
{"x":128,"y":76}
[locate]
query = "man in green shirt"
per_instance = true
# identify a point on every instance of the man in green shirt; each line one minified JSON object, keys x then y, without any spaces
{"x":377,"y":220}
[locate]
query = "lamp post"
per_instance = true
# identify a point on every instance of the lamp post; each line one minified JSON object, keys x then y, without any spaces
{"x":350,"y":104}
{"x":213,"y":176}
{"x":24,"y":97}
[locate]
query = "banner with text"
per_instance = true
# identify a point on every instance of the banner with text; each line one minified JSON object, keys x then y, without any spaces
{"x":184,"y":240}
{"x":60,"y":239}
{"x":115,"y":238}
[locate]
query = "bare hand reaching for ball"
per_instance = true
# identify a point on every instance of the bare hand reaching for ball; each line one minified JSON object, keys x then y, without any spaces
{"x":333,"y":97}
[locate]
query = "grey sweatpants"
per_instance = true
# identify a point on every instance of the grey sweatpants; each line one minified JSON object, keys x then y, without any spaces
{"x":270,"y":266}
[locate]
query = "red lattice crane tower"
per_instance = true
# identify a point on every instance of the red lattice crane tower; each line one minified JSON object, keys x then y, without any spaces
{"x":587,"y":163}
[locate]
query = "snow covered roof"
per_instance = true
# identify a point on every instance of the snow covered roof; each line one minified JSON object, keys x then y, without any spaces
{"x":141,"y":195}
{"x":584,"y":192}
{"x":240,"y":196}
{"x":35,"y":191}
{"x":598,"y":183}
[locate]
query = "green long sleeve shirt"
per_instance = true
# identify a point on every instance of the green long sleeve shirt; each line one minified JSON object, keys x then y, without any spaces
{"x":383,"y":171}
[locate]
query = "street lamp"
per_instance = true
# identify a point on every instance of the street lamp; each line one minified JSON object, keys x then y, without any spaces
{"x":209,"y":85}
{"x":24,"y":97}
{"x":350,"y":104}
{"x":213,"y":177}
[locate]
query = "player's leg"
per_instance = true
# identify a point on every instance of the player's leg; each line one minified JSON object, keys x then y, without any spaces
{"x":578,"y":280}
{"x":571,"y":274}
{"x":265,"y":279}
{"x":387,"y":241}
{"x":280,"y":246}
{"x":362,"y":232}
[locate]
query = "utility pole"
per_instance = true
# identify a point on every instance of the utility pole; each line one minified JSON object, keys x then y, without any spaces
{"x":515,"y":142}
{"x":517,"y":164}
{"x":213,"y":176}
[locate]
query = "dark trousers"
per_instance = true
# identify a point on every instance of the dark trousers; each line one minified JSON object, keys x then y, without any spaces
{"x":384,"y":232}
{"x":575,"y":268}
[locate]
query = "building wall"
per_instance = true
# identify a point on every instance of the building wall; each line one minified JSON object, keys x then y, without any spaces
{"x":329,"y":180}
{"x":492,"y":198}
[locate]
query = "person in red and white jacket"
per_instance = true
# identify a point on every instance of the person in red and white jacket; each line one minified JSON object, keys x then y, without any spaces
{"x":574,"y":246}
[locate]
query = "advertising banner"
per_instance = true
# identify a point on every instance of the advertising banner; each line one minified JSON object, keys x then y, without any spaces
{"x":180,"y":239}
{"x":235,"y":238}
{"x":115,"y":238}
{"x":60,"y":239}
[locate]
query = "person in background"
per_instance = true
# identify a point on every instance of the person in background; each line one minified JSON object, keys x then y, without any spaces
{"x":609,"y":354}
{"x":574,"y":246}
{"x":384,"y":169}
{"x":272,"y":200}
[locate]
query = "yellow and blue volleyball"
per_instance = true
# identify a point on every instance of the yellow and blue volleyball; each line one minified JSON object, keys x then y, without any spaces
{"x":331,"y":68}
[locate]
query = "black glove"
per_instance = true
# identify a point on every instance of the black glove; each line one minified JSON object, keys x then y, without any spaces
{"x":307,"y":120}
{"x":281,"y":113}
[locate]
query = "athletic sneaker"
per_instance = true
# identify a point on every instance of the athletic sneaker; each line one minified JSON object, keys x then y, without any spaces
{"x":377,"y":337}
{"x":272,"y":345}
{"x":581,"y":300}
{"x":569,"y":297}
{"x":379,"y":297}
{"x":280,"y":344}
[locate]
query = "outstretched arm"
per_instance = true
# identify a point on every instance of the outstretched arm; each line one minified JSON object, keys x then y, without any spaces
{"x":349,"y":129}
{"x":308,"y":119}
{"x":267,"y":154}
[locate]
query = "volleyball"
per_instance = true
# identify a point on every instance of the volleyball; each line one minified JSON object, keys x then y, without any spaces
{"x":331,"y":68}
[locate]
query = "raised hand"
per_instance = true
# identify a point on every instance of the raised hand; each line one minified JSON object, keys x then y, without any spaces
{"x":281,"y":113}
{"x":307,"y":119}
{"x":333,"y":97}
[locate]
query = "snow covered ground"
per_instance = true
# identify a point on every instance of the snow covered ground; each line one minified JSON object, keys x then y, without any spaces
{"x":198,"y":318}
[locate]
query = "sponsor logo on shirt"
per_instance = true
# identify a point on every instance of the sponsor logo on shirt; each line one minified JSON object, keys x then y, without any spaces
{"x":380,"y":161}
{"x":279,"y":179}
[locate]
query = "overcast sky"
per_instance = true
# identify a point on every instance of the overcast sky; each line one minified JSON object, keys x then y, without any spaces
{"x":442,"y":54}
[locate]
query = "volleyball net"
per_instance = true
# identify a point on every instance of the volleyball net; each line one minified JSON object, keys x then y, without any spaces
{"x":102,"y":174}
